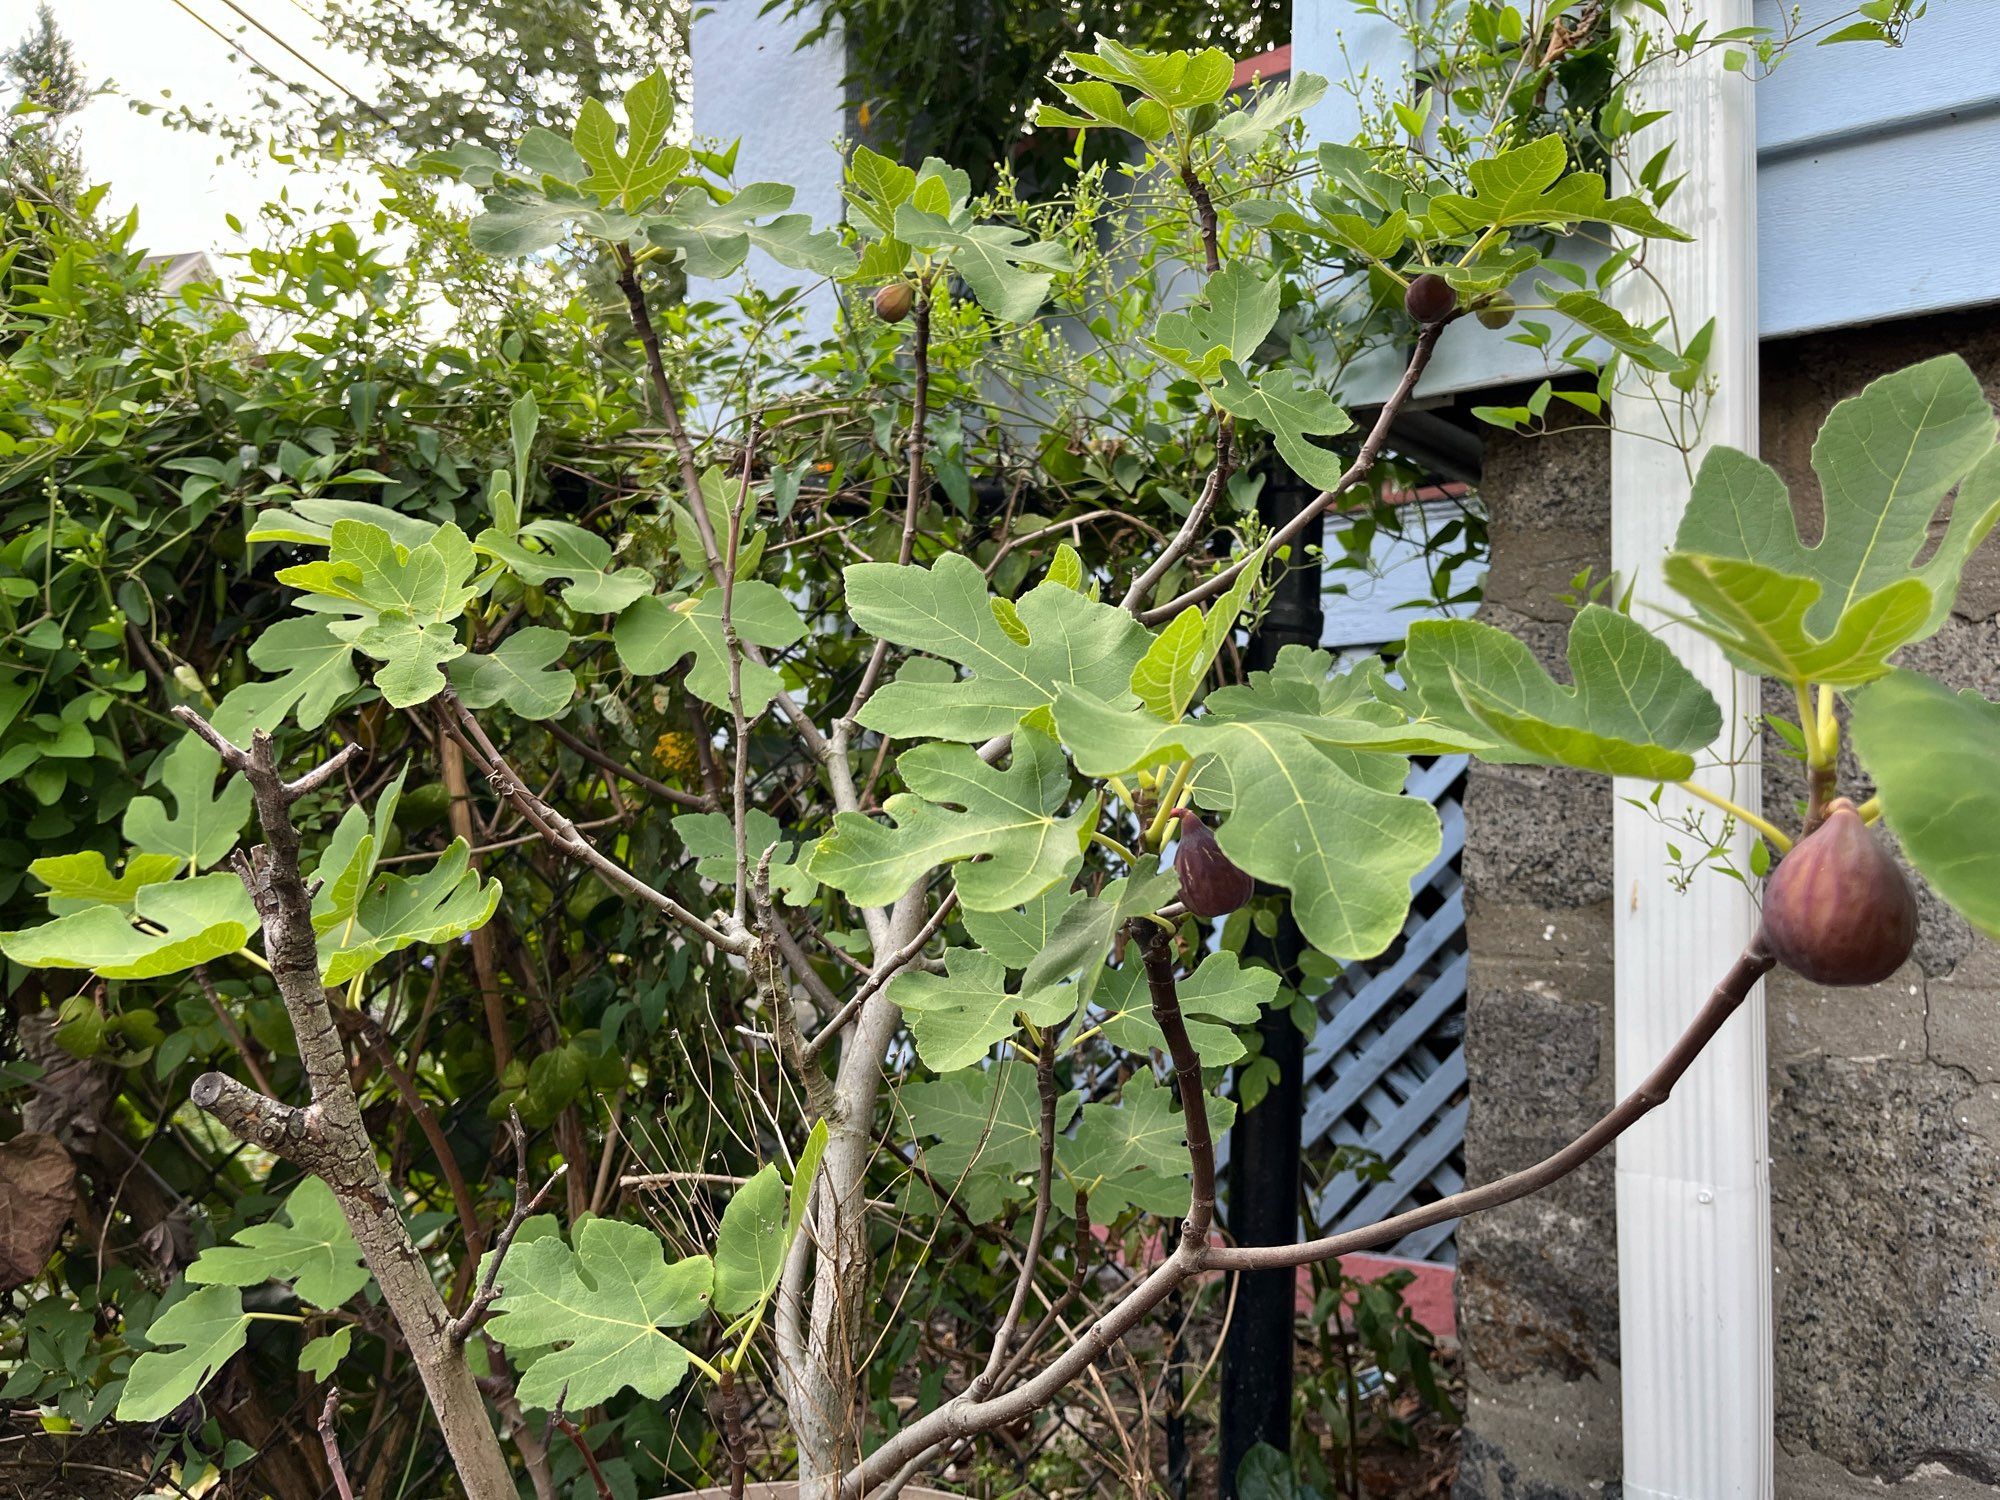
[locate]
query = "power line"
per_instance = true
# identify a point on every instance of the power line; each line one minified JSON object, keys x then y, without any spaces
{"x":337,"y":85}
{"x":234,"y":44}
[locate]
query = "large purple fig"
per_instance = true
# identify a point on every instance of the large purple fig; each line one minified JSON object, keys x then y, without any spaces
{"x":1838,"y":909}
{"x":1430,"y":298}
{"x":1211,"y":884}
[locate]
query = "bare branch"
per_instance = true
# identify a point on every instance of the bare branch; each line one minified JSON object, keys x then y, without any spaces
{"x":1074,"y":527}
{"x":331,"y":1442}
{"x":769,"y":972}
{"x":524,"y":1208}
{"x":964,"y":1416}
{"x":569,"y":1430}
{"x":1031,"y":1254}
{"x":882,"y":973}
{"x":1371,"y":449}
{"x":734,"y":1445}
{"x":915,"y":482}
{"x":1191,"y":528}
{"x":377,"y":1041}
{"x":788,"y":945}
{"x":1197,"y":517}
{"x":329,"y":1138}
{"x":1651,"y":1093}
{"x":616,"y":767}
{"x":293,"y":1134}
{"x":1157,"y":946}
{"x":670,"y":405}
{"x":1204,"y":208}
{"x":670,"y":408}
{"x":560,"y":833}
{"x":231,"y":1030}
{"x":326,"y":771}
{"x":733,"y":646}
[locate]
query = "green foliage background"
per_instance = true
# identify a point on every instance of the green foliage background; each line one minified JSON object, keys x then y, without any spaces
{"x":314,"y":496}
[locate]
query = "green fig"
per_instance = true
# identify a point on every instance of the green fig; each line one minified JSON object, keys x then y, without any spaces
{"x":1497,"y":311}
{"x":1211,"y":884}
{"x":1838,"y":910}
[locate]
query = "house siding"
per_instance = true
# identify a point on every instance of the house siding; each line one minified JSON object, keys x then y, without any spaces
{"x":1878,"y":195}
{"x":1885,"y":1102}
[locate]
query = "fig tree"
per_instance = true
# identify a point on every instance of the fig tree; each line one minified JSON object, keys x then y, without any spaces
{"x":893,"y":302}
{"x":1211,"y":884}
{"x":1838,"y":909}
{"x":1430,"y":299}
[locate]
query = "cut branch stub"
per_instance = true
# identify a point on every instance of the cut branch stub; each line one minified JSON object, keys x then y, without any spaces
{"x":280,"y":1129}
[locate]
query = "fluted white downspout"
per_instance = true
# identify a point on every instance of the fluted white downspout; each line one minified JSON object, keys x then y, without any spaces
{"x":1694,"y":1213}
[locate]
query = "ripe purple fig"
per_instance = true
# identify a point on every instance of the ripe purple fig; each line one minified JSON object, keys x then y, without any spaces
{"x":1211,"y":884}
{"x":893,"y":302}
{"x":1430,"y":299}
{"x":1838,"y":909}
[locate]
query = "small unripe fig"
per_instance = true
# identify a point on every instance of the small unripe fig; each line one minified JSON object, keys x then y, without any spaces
{"x":1497,"y":311}
{"x":893,"y":302}
{"x":1211,"y":884}
{"x":1838,"y":909}
{"x":1430,"y":299}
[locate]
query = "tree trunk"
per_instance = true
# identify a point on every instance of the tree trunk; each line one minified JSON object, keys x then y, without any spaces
{"x":329,"y":1138}
{"x":824,"y":1390}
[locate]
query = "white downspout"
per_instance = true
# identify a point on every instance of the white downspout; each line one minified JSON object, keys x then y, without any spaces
{"x":1694,"y":1211}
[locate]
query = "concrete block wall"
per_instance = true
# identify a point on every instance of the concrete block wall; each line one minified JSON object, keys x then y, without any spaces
{"x":1885,"y":1103}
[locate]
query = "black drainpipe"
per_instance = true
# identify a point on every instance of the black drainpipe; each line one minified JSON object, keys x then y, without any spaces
{"x":1263,"y":1184}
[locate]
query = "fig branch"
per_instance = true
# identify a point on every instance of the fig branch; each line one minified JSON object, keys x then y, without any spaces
{"x":558,"y":831}
{"x":915,"y":481}
{"x":1157,"y":952}
{"x":966,"y":1415}
{"x":1653,"y":1090}
{"x":329,"y":1138}
{"x":1031,"y":1255}
{"x":1225,"y":428}
{"x":732,"y":644}
{"x":670,"y":406}
{"x":1371,"y":449}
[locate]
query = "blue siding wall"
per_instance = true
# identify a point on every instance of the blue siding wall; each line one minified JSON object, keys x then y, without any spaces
{"x":1878,"y":175}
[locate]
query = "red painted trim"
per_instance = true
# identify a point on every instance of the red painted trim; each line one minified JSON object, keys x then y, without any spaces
{"x":1450,"y":491}
{"x":1265,"y":65}
{"x":1430,"y":1296}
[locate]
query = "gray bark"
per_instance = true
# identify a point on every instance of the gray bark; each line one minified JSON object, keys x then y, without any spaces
{"x":328,"y":1137}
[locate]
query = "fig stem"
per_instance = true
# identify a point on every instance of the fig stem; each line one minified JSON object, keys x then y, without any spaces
{"x":1778,"y":839}
{"x":1871,"y":810}
{"x":1114,"y":846}
{"x":1157,"y":832}
{"x":1477,"y":245}
{"x":1809,"y":726}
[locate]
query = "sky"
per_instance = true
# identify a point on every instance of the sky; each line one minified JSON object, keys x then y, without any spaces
{"x":159,"y":50}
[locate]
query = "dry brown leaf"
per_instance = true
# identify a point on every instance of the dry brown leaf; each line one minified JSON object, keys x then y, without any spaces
{"x":37,"y":1187}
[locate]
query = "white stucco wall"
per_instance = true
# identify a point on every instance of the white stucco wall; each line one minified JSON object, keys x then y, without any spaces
{"x":752,"y":82}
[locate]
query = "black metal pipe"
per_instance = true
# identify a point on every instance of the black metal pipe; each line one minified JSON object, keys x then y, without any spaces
{"x":1262,"y":1205}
